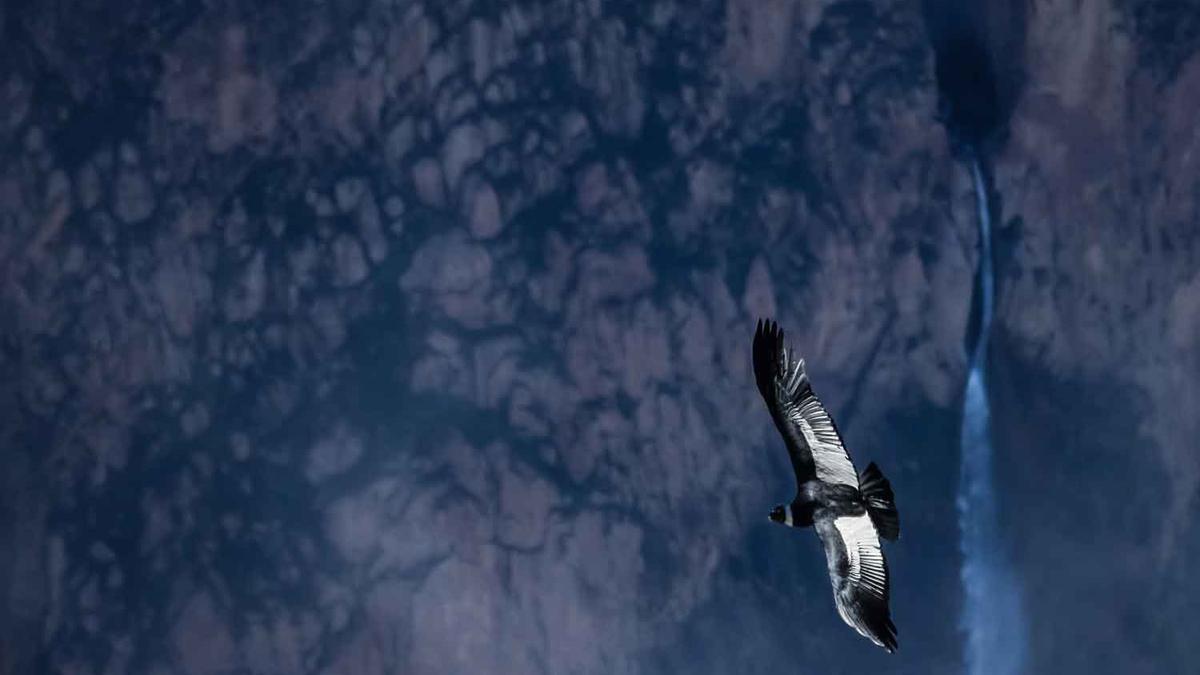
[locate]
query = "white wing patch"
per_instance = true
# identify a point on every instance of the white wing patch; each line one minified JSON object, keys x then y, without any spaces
{"x":832,"y":463}
{"x":858,"y":572}
{"x":865,"y":566}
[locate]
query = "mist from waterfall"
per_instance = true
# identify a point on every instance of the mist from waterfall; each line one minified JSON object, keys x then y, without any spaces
{"x":992,"y":615}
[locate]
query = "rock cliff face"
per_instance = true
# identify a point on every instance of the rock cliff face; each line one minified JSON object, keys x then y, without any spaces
{"x":1098,"y":334}
{"x":413,"y":337}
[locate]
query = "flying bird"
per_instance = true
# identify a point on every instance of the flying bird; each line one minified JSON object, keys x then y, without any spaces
{"x":850,"y":513}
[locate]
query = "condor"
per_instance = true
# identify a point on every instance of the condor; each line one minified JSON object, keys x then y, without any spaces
{"x":850,"y":513}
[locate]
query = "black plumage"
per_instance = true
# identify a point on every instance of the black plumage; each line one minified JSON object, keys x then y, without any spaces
{"x":849,"y":513}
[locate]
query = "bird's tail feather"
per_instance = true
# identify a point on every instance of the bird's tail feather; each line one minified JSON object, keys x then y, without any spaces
{"x":881,"y":503}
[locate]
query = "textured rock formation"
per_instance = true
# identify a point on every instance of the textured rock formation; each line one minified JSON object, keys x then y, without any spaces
{"x":414,"y":336}
{"x":397,"y":336}
{"x":1098,"y":336}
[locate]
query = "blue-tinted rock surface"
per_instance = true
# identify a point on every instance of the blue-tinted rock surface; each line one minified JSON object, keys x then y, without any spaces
{"x":1097,"y":348}
{"x":413,"y":337}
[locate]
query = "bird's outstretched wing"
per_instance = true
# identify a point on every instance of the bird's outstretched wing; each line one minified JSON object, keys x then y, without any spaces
{"x":812,"y":439}
{"x":859,"y":574}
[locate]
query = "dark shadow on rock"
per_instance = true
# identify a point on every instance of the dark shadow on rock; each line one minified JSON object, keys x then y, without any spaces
{"x":1085,"y":505}
{"x":978,"y":48}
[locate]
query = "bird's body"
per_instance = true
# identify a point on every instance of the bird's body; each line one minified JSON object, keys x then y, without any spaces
{"x":849,"y":513}
{"x":816,"y":499}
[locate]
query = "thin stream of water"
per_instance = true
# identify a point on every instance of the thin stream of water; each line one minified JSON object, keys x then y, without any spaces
{"x":992,"y":615}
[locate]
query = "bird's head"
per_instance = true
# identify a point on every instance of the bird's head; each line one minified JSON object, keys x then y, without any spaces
{"x":778,"y":514}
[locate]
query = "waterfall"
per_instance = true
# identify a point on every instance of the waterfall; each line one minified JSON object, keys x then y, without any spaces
{"x":992,"y":617}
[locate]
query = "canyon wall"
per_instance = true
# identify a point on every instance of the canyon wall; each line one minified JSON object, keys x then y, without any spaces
{"x":1097,"y":346}
{"x":413,"y":337}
